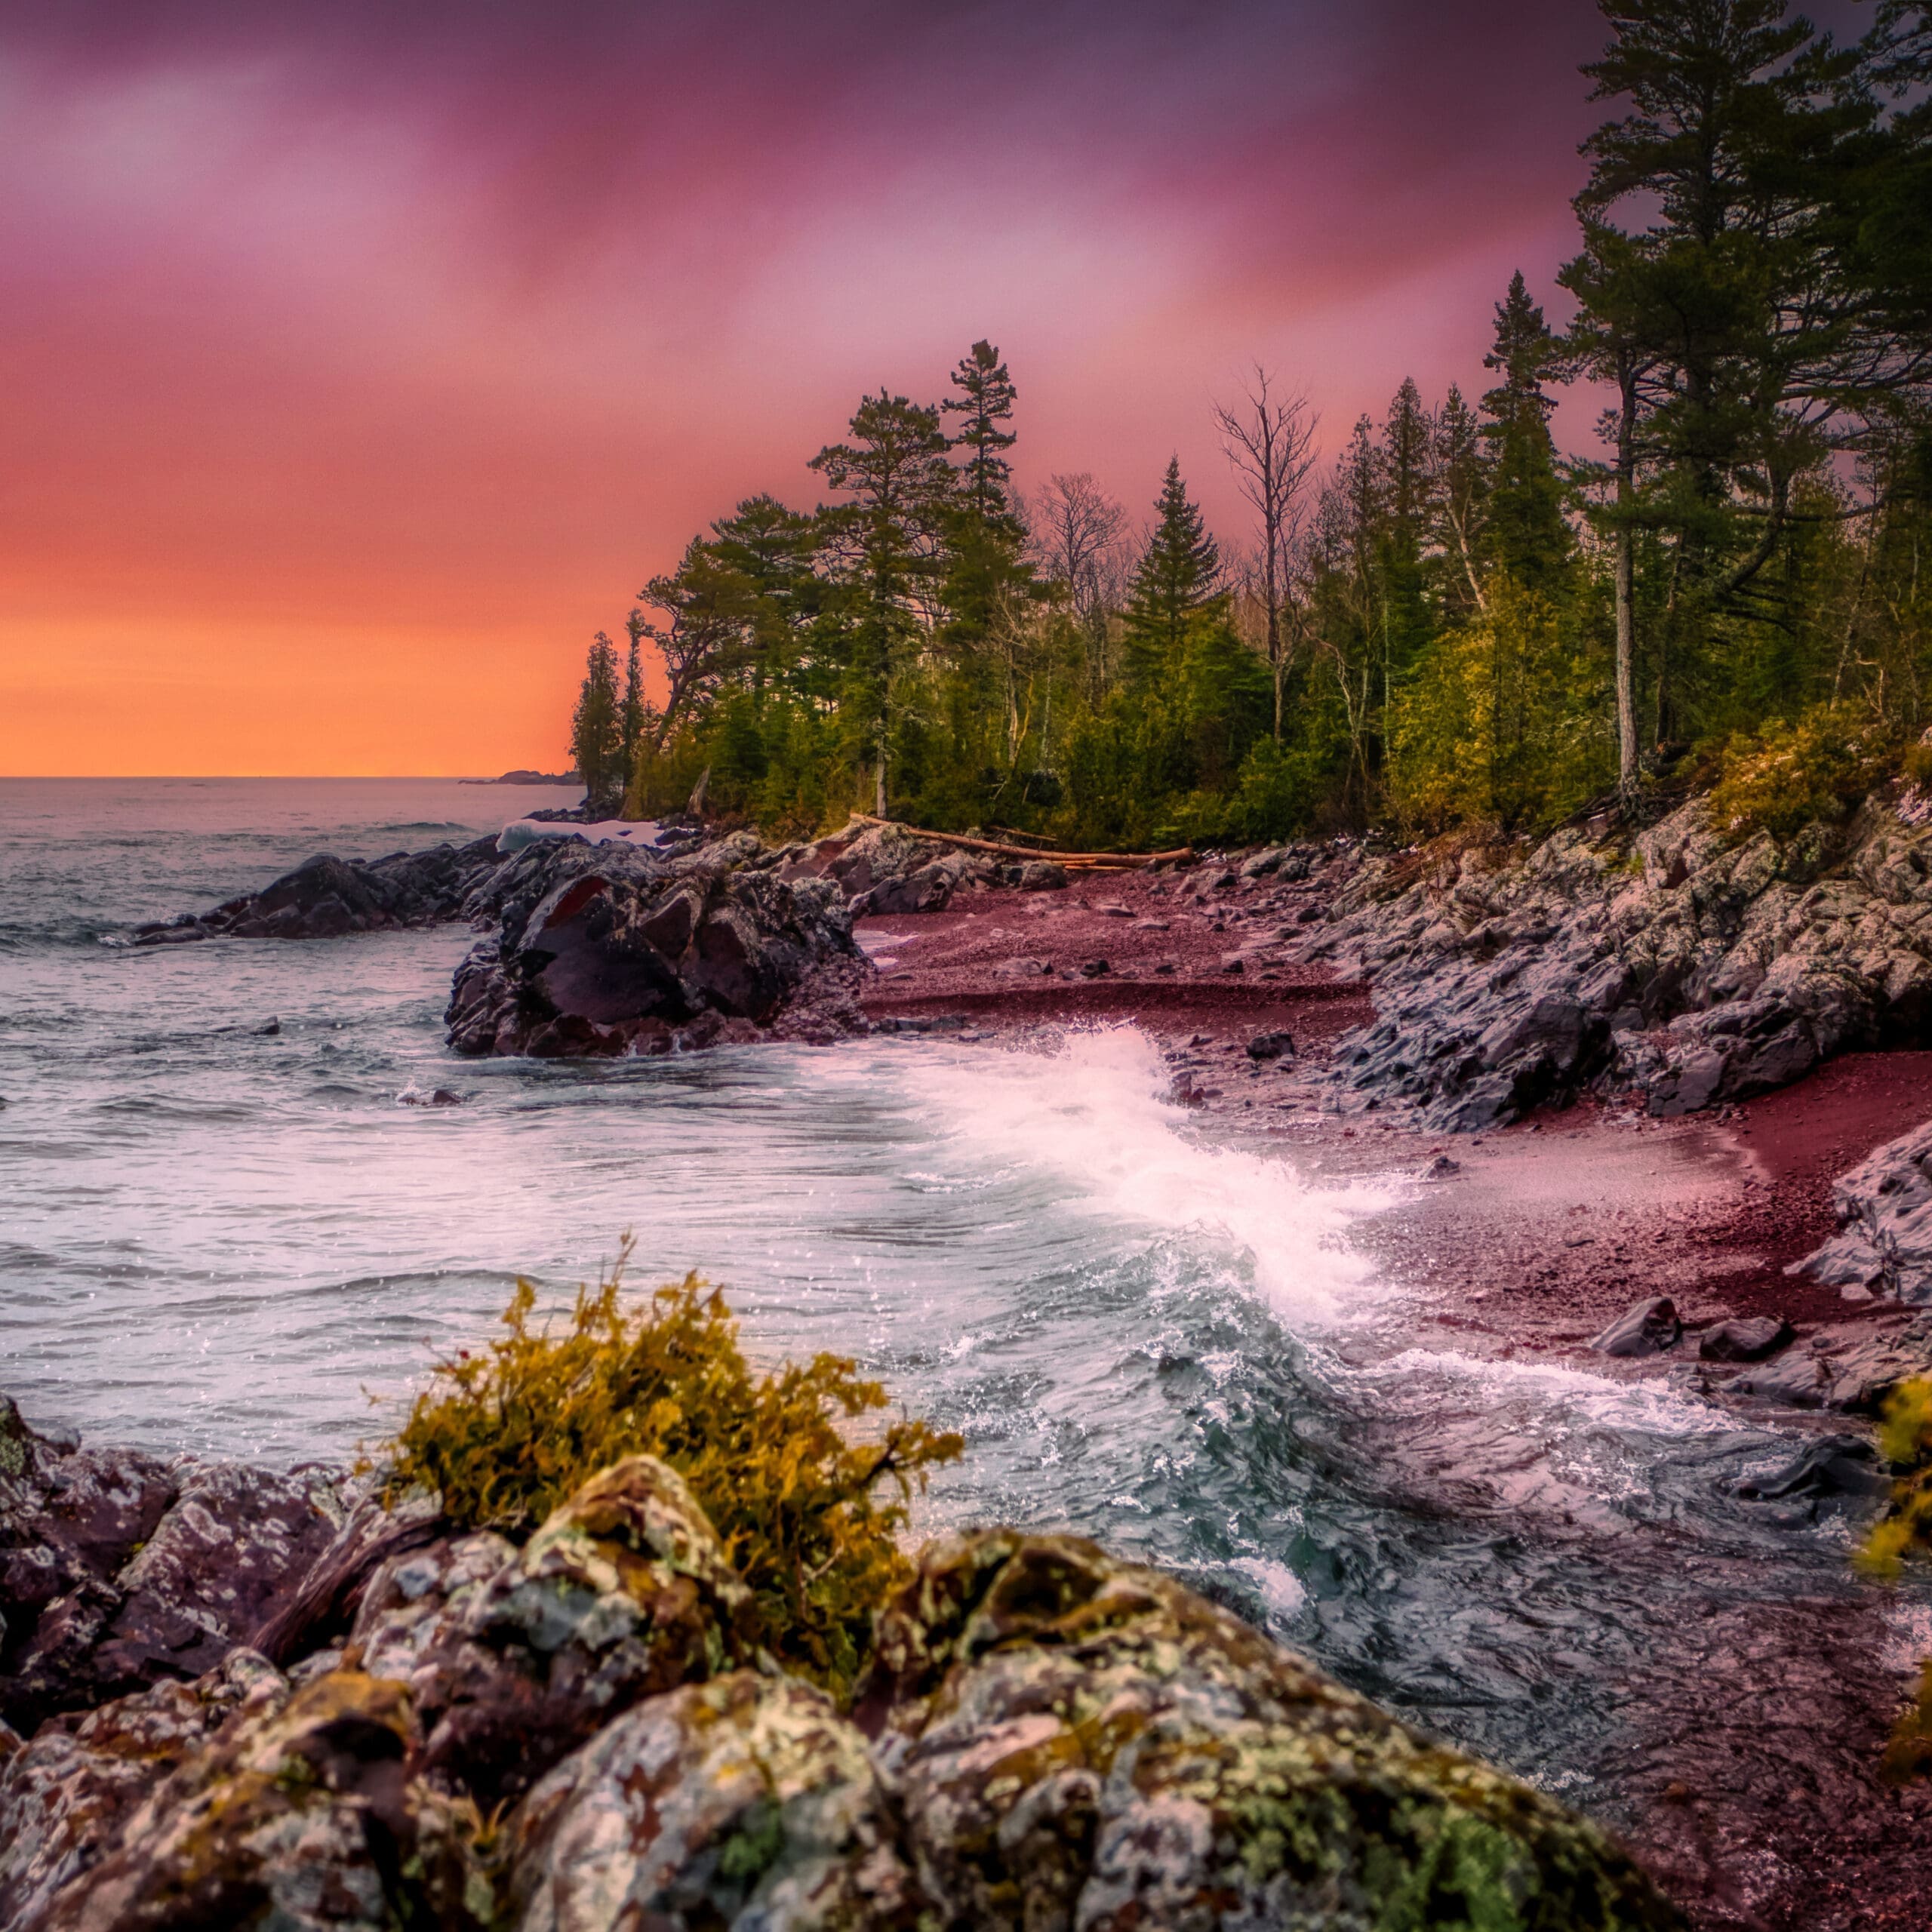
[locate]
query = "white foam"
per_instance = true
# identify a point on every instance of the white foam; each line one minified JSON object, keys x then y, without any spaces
{"x":1652,"y":1407}
{"x":1098,"y":1115}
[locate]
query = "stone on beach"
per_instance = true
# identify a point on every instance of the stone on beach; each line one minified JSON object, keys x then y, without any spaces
{"x":1649,"y":1328}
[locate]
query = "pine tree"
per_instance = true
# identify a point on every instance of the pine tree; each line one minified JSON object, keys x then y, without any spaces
{"x":597,"y":728}
{"x":1407,"y":622}
{"x":986,"y":574}
{"x":633,"y":710}
{"x":884,"y":542}
{"x":1526,"y":534}
{"x":985,"y":404}
{"x":1177,"y":583}
{"x":1460,"y":501}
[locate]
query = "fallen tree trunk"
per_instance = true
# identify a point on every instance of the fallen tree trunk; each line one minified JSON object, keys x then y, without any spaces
{"x":1085,"y":861}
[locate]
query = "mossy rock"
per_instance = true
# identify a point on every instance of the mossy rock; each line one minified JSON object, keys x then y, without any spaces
{"x":1073,"y":1740}
{"x":300,"y":1815}
{"x":747,"y":1801}
{"x":515,"y":1656}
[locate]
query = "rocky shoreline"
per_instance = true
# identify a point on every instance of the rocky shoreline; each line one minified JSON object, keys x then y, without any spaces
{"x":1622,"y":1069}
{"x":266,"y":1700}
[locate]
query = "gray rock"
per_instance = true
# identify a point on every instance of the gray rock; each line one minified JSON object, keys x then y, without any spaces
{"x":1883,"y":1205}
{"x":1683,"y":972}
{"x":1748,"y":1338}
{"x":1649,"y":1328}
{"x":1041,"y":875}
{"x":1851,"y":1369}
{"x":1276,"y":1045}
{"x":1832,"y":1465}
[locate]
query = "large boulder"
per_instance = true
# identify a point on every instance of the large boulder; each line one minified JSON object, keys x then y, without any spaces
{"x":65,"y":1796}
{"x":605,"y":950}
{"x":747,"y":1801}
{"x":325,"y":896}
{"x":119,"y":1570}
{"x":1076,"y":1741}
{"x":514,"y":1657}
{"x":1883,"y":1244}
{"x":299,"y":1814}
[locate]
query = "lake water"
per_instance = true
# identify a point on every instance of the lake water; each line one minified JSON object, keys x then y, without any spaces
{"x":219,"y":1238}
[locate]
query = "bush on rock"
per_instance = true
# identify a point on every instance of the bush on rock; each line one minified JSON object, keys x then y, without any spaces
{"x":808,"y":1518}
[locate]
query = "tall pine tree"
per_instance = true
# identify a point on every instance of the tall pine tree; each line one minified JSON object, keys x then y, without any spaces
{"x":1525,"y":534}
{"x":1176,"y":585}
{"x":597,"y":728}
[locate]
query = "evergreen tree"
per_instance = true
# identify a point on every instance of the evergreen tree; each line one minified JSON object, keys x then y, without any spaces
{"x":1459,"y":496}
{"x":632,"y":711}
{"x":985,"y":404}
{"x":986,"y":569}
{"x":884,"y":544}
{"x":1177,"y":583}
{"x":1406,"y":625}
{"x":597,"y":728}
{"x":1526,"y":534}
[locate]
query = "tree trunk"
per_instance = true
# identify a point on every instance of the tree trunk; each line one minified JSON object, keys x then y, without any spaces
{"x":1626,"y":584}
{"x":879,"y":782}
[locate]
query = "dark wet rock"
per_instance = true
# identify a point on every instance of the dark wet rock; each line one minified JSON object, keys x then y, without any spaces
{"x":119,"y":1571}
{"x":1832,"y":1465}
{"x":1649,"y":1328}
{"x":609,"y":950}
{"x":1276,"y":1045}
{"x":1676,"y":969}
{"x":1884,"y":1206}
{"x":63,"y":1796}
{"x":1041,"y":875}
{"x":325,"y":896}
{"x":1852,"y":1368}
{"x":514,"y":1657}
{"x":1746,"y":1338}
{"x":745,"y":1801}
{"x":1075,"y":1741}
{"x":1095,"y":969}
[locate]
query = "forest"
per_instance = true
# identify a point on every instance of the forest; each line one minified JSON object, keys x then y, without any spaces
{"x":1449,"y":623}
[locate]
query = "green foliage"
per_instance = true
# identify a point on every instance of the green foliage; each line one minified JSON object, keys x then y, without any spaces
{"x":1782,"y":777}
{"x":1905,"y":1440}
{"x":597,"y":725}
{"x":809,"y":1517}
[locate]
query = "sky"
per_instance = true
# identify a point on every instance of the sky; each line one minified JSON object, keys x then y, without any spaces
{"x":359,"y":359}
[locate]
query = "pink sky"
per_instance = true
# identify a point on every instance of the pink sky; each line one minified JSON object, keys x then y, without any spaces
{"x":355,"y":367}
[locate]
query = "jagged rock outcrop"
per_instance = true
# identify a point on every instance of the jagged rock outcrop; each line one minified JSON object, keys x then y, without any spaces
{"x":603,"y":949}
{"x":325,"y":896}
{"x":575,"y":1734}
{"x":1883,"y":1244}
{"x":119,"y":1570}
{"x":1678,"y":968}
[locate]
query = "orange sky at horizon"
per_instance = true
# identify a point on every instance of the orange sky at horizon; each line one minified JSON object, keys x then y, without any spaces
{"x":357,"y":369}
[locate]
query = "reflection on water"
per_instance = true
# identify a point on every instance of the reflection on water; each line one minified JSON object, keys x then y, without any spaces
{"x":217,"y":1237}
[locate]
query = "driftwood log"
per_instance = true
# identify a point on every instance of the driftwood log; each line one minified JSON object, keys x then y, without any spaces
{"x":1080,"y":861}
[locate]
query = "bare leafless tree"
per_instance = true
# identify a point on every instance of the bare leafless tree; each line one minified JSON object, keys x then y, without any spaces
{"x":1076,"y":524}
{"x":1269,"y":437}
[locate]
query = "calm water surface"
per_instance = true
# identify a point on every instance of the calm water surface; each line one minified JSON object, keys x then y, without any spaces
{"x":217,"y":1238}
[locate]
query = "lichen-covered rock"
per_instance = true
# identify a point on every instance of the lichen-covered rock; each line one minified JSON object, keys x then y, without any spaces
{"x":298,"y":1817}
{"x":515,"y":1656}
{"x":119,"y":1570}
{"x":747,"y":1801}
{"x":1674,"y":968}
{"x":63,"y":1796}
{"x":1883,"y":1205}
{"x":1076,"y":1742}
{"x":605,"y":950}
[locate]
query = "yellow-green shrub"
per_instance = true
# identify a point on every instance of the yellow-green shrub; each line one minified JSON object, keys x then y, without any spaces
{"x":504,"y":1435}
{"x":1905,"y":1440}
{"x":1782,"y":777}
